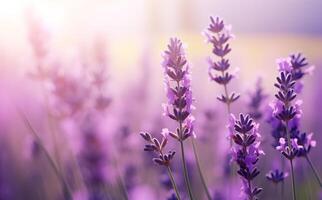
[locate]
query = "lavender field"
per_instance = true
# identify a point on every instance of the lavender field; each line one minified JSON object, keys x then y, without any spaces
{"x":160,"y":100}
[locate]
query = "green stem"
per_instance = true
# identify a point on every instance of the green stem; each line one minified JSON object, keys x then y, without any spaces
{"x":314,"y":170}
{"x":250,"y":190}
{"x":174,"y":185}
{"x":66,"y":190}
{"x":293,"y":180}
{"x":291,"y":161}
{"x":185,"y":171}
{"x":282,"y":190}
{"x":52,"y":129}
{"x":199,"y":169}
{"x":283,"y":185}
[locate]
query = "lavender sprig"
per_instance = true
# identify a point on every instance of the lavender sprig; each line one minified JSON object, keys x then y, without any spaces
{"x":294,"y":65}
{"x":285,"y":112}
{"x":218,"y":34}
{"x":276,"y":176}
{"x":163,"y":159}
{"x":246,"y":153}
{"x":256,"y":100}
{"x":179,"y":105}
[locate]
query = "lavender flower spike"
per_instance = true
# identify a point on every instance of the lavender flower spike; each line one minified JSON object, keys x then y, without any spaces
{"x":247,"y":152}
{"x":256,"y":100}
{"x":218,"y":34}
{"x":179,"y":105}
{"x":276,"y":176}
{"x":163,"y":159}
{"x":178,"y":89}
{"x":285,"y":112}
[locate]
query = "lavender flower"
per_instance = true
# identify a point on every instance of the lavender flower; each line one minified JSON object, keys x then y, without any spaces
{"x":163,"y":159}
{"x":38,"y":35}
{"x":256,"y":100}
{"x":154,"y":145}
{"x":276,"y":176}
{"x":246,"y":153}
{"x":306,"y":141}
{"x":92,"y":159}
{"x":285,"y":118}
{"x":178,"y":89}
{"x":285,"y":112}
{"x":299,"y":68}
{"x":294,"y":64}
{"x":218,"y":34}
{"x":172,"y":197}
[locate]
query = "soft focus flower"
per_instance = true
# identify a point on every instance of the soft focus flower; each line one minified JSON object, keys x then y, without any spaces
{"x":289,"y":151}
{"x":306,"y":141}
{"x":276,"y":176}
{"x":256,"y":100}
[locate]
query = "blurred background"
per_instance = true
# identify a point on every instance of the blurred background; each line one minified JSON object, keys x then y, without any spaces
{"x":60,"y":59}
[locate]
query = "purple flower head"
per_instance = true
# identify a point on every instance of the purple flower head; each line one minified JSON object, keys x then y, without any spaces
{"x":178,"y":88}
{"x":218,"y":34}
{"x":284,"y":64}
{"x":231,"y":126}
{"x":246,"y":152}
{"x":172,"y":197}
{"x":297,"y":65}
{"x":289,"y":150}
{"x":256,"y":100}
{"x":306,"y":141}
{"x":276,"y":176}
{"x":288,"y":114}
{"x":39,"y":36}
{"x":154,"y":145}
{"x":278,"y":127}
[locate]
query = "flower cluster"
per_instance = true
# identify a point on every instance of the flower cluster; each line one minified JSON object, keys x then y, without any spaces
{"x":293,"y":65}
{"x":154,"y":145}
{"x":246,"y":153}
{"x":285,"y":115}
{"x":256,"y":101}
{"x":218,"y":34}
{"x":306,"y":142}
{"x":297,"y":65}
{"x":285,"y":112}
{"x":288,"y":115}
{"x":276,"y":176}
{"x":93,"y":160}
{"x":178,"y":88}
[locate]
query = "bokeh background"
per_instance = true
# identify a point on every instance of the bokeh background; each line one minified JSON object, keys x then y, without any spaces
{"x":128,"y":37}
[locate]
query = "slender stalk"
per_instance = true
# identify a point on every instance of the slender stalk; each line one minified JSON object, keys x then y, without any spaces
{"x":204,"y":184}
{"x":185,"y":171}
{"x":52,"y":128}
{"x":250,"y":190}
{"x":66,"y":190}
{"x":293,"y":181}
{"x":226,"y":94}
{"x":283,"y":185}
{"x":282,"y":190}
{"x":120,"y":178}
{"x":314,"y":170}
{"x":277,"y":190}
{"x":291,"y":161}
{"x":174,"y":185}
{"x":122,"y":186}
